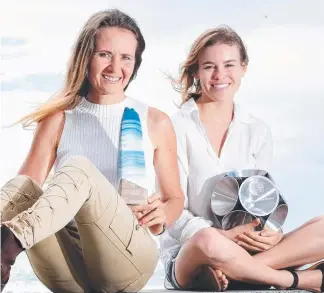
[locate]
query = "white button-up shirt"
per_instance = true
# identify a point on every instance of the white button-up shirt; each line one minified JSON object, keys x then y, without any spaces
{"x":248,"y":145}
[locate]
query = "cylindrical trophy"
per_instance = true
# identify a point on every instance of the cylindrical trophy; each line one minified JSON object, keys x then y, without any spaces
{"x":277,"y":218}
{"x":225,"y":195}
{"x":259,"y":195}
{"x":240,"y":196}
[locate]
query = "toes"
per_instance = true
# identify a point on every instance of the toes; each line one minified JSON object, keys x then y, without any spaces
{"x":224,"y":282}
{"x":223,"y":279}
{"x":218,"y":273}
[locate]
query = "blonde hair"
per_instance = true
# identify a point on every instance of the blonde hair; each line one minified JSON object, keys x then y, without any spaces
{"x":186,"y":84}
{"x":76,"y":83}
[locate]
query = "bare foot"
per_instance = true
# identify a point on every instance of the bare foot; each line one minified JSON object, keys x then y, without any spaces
{"x":211,"y":279}
{"x":221,"y":277}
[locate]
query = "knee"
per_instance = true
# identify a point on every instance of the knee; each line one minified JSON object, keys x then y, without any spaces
{"x":318,"y":224}
{"x":321,"y":218}
{"x":77,"y":162}
{"x":211,"y":244}
{"x":80,"y":163}
{"x":23,"y":182}
{"x":320,"y":221}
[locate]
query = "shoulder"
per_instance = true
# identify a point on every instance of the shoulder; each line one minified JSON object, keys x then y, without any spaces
{"x":51,"y":127}
{"x":157,"y":119}
{"x":258,"y":129}
{"x":181,"y":121}
{"x":259,"y":125}
{"x":159,"y":127}
{"x":256,"y":125}
{"x":54,"y":120}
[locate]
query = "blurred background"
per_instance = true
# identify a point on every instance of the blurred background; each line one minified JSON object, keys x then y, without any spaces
{"x":283,"y":85}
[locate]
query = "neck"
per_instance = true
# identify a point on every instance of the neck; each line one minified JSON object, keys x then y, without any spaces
{"x":216,"y":111}
{"x":107,"y":99}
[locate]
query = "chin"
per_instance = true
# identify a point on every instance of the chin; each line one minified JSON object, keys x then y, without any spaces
{"x":219,"y":98}
{"x":111,"y":89}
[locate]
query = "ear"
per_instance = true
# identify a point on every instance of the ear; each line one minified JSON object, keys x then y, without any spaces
{"x":244,"y":68}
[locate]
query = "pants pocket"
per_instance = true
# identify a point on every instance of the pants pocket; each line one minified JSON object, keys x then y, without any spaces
{"x":122,"y":222}
{"x":143,"y":249}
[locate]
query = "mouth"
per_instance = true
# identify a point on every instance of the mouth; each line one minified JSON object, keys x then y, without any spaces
{"x":111,"y":79}
{"x":220,"y":86}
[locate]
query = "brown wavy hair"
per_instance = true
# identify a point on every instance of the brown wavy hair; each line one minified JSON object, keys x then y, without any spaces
{"x":76,"y":83}
{"x":186,"y":84}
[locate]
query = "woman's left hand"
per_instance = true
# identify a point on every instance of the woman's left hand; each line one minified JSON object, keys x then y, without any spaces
{"x":258,"y":241}
{"x":151,"y":215}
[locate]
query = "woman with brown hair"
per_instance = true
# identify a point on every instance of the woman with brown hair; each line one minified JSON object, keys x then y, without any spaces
{"x":90,"y":229}
{"x":215,"y":135}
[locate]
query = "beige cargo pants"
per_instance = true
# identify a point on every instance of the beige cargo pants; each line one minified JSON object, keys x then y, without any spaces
{"x":109,"y":252}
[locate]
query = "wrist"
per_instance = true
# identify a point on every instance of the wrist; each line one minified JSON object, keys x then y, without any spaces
{"x":158,"y":229}
{"x":162,"y":230}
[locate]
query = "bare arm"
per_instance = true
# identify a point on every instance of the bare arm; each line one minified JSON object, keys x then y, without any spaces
{"x":166,"y":206}
{"x":166,"y":165}
{"x":42,"y":154}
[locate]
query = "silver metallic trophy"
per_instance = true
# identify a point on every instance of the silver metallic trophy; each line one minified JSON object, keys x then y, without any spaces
{"x":225,"y":195}
{"x":259,"y":195}
{"x":241,"y":196}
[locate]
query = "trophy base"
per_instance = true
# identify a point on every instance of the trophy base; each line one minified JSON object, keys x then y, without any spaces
{"x":132,"y":193}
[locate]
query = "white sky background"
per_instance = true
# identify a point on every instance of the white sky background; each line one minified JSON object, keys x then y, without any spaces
{"x":283,"y":85}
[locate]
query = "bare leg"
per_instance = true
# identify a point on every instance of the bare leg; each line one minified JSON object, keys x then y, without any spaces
{"x":209,"y":247}
{"x":302,"y":246}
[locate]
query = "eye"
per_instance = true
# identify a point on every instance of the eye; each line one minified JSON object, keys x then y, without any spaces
{"x":104,"y":55}
{"x":127,"y":58}
{"x":229,"y":65}
{"x":208,"y":67}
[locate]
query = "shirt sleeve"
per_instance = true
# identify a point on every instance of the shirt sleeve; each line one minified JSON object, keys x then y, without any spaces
{"x":188,"y":224}
{"x":263,"y":156}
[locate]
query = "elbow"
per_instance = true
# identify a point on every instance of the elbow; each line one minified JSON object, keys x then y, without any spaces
{"x":177,"y":207}
{"x":181,"y":203}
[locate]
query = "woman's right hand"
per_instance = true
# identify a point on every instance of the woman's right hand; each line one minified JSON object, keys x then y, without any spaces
{"x":151,"y":215}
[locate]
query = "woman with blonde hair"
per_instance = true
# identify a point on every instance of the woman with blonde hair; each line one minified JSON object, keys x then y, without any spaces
{"x":214,"y":135}
{"x":91,"y":229}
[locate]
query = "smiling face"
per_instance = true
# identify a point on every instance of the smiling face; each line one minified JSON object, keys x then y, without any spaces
{"x":220,"y":71}
{"x":113,"y":62}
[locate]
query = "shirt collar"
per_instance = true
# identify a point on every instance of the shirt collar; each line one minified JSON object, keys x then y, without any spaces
{"x":239,"y":114}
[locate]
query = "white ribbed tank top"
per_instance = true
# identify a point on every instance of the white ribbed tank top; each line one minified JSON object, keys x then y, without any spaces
{"x":92,"y":130}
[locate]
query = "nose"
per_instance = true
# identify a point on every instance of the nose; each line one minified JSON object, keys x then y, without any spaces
{"x":217,"y":73}
{"x":114,"y":64}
